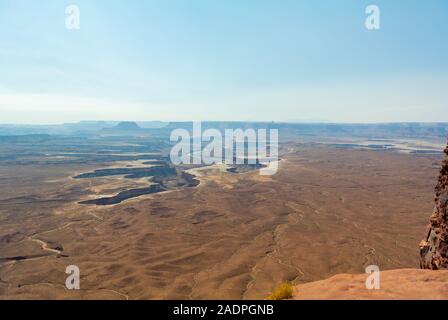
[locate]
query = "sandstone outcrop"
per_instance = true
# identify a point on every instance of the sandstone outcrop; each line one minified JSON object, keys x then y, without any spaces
{"x":434,"y":249}
{"x":401,"y":284}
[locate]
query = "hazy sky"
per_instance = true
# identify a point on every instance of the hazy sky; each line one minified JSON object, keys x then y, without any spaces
{"x":282,"y":60}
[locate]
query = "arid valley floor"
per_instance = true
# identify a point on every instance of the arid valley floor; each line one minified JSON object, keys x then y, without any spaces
{"x":328,"y":210}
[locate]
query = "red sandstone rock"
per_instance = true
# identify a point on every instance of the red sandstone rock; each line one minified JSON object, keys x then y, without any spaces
{"x":402,"y":284}
{"x":434,"y":249}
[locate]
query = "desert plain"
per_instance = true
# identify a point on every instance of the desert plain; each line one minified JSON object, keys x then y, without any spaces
{"x":330,"y":209}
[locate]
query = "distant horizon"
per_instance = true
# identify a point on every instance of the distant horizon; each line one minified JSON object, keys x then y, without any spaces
{"x":220,"y":121}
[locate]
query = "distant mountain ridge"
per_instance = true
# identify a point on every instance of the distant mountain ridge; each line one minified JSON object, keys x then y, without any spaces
{"x":435,"y":131}
{"x":125,"y":126}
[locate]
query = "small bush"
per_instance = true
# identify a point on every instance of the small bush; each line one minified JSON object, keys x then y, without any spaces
{"x":282,"y":292}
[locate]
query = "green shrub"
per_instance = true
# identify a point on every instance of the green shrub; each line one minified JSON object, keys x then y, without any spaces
{"x":282,"y":292}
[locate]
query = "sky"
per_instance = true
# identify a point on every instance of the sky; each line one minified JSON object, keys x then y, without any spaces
{"x":242,"y":60}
